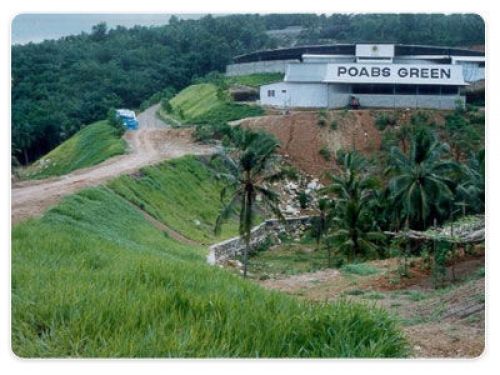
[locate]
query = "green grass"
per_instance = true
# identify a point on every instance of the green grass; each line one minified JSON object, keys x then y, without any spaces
{"x":360,"y":269}
{"x":196,"y":100}
{"x":255,"y":80}
{"x":288,"y":259}
{"x":183,"y":194}
{"x":90,"y":146}
{"x":199,"y":104}
{"x":92,"y":278}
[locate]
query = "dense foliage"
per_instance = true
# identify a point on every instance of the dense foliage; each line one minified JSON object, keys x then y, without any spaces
{"x":58,"y":86}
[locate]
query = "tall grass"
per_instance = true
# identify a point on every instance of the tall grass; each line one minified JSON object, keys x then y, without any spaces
{"x":93,"y":279}
{"x":90,"y":146}
{"x":183,"y":194}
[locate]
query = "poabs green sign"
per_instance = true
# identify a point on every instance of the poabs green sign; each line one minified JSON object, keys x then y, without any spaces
{"x":395,"y":73}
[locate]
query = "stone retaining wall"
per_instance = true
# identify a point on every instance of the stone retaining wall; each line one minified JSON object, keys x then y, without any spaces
{"x":272,"y":228}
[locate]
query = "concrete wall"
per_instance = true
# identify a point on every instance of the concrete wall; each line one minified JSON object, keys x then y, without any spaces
{"x":409,"y":101}
{"x":320,"y":95}
{"x":278,"y":66}
{"x":286,"y":94}
{"x":269,"y":229}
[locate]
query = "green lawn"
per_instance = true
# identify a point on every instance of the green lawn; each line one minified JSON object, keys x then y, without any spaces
{"x":90,"y":146}
{"x":92,"y":278}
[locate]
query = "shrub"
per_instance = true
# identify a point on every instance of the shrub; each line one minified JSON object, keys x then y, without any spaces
{"x":334,"y":125}
{"x":325,"y":153}
{"x":115,"y":121}
{"x":383,"y":120}
{"x":166,"y":106}
{"x":303,"y":199}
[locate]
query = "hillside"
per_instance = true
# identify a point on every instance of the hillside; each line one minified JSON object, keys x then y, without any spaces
{"x":207,"y":103}
{"x":167,"y":192}
{"x":311,"y":139}
{"x":90,"y":146}
{"x":158,"y":298}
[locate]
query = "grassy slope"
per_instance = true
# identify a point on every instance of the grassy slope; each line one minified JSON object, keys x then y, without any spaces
{"x":199,"y":104}
{"x":255,"y":80}
{"x":90,"y":146}
{"x":183,"y":194}
{"x":93,"y":278}
{"x":196,"y":100}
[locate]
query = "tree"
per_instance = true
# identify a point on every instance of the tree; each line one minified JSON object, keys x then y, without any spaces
{"x":471,"y":190}
{"x":353,"y":223}
{"x":421,"y":186}
{"x":247,"y":177}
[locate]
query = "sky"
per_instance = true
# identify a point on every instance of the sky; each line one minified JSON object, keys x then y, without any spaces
{"x":38,"y":27}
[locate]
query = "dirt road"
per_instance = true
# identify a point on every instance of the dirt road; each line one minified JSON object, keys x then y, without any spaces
{"x":152,"y":143}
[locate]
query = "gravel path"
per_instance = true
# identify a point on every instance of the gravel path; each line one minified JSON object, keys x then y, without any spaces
{"x":152,"y":143}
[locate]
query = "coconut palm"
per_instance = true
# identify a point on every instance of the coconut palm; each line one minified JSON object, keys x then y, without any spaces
{"x":353,"y":223}
{"x":248,"y":176}
{"x":421,"y":186}
{"x":470,"y":193}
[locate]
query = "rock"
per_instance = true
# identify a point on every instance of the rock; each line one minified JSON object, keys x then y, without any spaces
{"x":289,"y":210}
{"x":197,"y":222}
{"x":234,"y":263}
{"x":313,"y":185}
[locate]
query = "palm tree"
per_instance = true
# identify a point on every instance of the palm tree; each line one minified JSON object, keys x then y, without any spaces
{"x":320,"y":224}
{"x":471,"y":190}
{"x":421,"y":186}
{"x":248,"y":175}
{"x":353,"y":221}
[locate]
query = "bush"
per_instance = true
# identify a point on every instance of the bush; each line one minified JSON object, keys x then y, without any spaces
{"x":334,"y":125}
{"x":303,"y":199}
{"x":383,"y":120}
{"x":115,"y":122}
{"x":166,"y":106}
{"x":325,"y":153}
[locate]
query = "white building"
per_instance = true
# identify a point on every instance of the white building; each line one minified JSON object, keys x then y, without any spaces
{"x":378,"y":75}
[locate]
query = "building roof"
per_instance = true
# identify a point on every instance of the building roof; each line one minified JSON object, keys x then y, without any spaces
{"x":295,"y":53}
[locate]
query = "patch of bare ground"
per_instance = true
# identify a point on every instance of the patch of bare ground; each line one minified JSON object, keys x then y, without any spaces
{"x":303,"y":134}
{"x":446,"y":322}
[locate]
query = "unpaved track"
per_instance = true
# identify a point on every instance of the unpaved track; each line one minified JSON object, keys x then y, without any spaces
{"x":152,"y":143}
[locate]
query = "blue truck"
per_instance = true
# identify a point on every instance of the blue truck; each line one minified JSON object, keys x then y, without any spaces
{"x":127,"y":118}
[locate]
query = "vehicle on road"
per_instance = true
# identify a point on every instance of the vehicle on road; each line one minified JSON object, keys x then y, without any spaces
{"x":128,"y":118}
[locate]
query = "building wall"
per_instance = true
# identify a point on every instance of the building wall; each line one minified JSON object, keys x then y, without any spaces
{"x":410,"y":101}
{"x":277,"y":66}
{"x":320,"y":95}
{"x":286,"y":94}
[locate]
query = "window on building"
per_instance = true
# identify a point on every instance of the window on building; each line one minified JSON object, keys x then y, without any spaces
{"x":271,"y":93}
{"x":429,"y":90}
{"x":375,"y":89}
{"x":449,"y":90}
{"x":406,"y":89}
